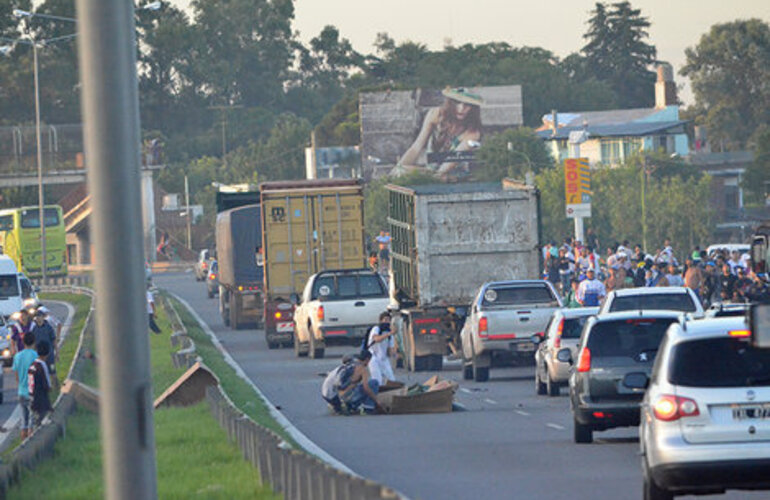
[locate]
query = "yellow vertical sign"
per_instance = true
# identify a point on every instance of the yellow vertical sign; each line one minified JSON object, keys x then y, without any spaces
{"x":577,"y":187}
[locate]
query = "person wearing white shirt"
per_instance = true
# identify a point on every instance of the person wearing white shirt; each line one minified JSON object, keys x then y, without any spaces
{"x":379,"y":341}
{"x":591,"y":291}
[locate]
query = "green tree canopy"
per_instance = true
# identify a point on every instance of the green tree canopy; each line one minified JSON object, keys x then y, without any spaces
{"x":617,"y":52}
{"x":729,"y":69}
{"x":512,"y":153}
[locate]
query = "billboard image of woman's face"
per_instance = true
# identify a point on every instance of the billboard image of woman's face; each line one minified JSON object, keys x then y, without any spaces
{"x":431,"y":131}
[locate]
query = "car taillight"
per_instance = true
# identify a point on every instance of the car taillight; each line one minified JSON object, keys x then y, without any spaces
{"x":671,"y":408}
{"x":320,"y":313}
{"x":557,"y":342}
{"x":483,"y":327}
{"x":584,"y":360}
{"x":278,"y":315}
{"x":212,"y":276}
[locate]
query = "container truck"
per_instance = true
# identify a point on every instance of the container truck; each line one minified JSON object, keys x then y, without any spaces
{"x":241,"y":270}
{"x":447,"y":240}
{"x":309,"y":226}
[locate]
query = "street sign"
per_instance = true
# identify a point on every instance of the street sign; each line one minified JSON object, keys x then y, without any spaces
{"x":577,"y":187}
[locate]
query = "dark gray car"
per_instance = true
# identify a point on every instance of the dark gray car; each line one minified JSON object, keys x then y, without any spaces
{"x":611,"y":347}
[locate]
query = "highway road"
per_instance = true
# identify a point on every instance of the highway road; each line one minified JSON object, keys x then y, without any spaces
{"x":59,"y":310}
{"x":509,"y":443}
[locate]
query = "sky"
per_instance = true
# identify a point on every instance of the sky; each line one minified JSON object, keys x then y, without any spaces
{"x":556,"y":25}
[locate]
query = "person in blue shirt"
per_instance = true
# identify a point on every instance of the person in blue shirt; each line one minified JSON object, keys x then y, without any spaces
{"x":21,"y":363}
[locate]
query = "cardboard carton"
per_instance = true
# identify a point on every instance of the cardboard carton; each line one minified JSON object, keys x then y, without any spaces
{"x":436,"y":398}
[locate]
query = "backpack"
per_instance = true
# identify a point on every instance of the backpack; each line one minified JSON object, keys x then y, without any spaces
{"x":36,"y":378}
{"x":345,"y":374}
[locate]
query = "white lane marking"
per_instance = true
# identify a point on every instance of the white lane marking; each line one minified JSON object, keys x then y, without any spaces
{"x":491,"y":401}
{"x":523,"y":413}
{"x":555,"y":426}
{"x":465,"y":390}
{"x":295,"y":433}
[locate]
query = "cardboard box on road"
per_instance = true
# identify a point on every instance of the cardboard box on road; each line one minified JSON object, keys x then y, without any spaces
{"x":437,"y":398}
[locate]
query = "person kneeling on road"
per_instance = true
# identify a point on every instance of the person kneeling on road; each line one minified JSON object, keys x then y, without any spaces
{"x":379,"y":341}
{"x":349,"y":389}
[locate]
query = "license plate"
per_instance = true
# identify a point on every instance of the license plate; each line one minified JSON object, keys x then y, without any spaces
{"x":524,"y":347}
{"x":751,"y":412}
{"x":285,"y":326}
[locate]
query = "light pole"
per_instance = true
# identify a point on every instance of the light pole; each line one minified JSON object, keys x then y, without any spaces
{"x":19,"y":13}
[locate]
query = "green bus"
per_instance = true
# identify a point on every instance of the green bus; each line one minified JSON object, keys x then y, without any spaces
{"x":20,"y":239}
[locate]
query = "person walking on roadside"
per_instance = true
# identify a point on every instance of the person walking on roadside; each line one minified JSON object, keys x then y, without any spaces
{"x":570,"y":300}
{"x":39,"y":380}
{"x":45,"y":334}
{"x":727,"y":282}
{"x":21,"y":363}
{"x":151,"y":311}
{"x":379,"y":341}
{"x":673,"y":277}
{"x":19,"y":329}
{"x":710,"y":284}
{"x":591,"y":291}
{"x":566,"y":268}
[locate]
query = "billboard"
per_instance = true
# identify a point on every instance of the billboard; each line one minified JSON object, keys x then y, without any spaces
{"x":433,"y":130}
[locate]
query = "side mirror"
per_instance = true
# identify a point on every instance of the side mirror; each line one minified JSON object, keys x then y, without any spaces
{"x":636,"y":380}
{"x":536,"y":338}
{"x":294,"y":298}
{"x":564,"y":355}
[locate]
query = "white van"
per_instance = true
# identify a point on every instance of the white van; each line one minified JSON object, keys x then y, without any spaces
{"x":11,"y":294}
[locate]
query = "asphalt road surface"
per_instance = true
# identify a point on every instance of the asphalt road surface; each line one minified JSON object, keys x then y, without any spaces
{"x":9,"y":380}
{"x":509,"y":443}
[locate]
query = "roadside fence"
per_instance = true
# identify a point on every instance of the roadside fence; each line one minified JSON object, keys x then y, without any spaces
{"x":294,"y":474}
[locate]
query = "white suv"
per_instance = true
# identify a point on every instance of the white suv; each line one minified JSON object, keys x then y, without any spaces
{"x":705,"y":419}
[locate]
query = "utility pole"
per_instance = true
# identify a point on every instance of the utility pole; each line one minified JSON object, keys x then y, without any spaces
{"x":40,"y":192}
{"x":644,"y":203}
{"x":313,"y":164}
{"x":189,"y":219}
{"x":110,"y":103}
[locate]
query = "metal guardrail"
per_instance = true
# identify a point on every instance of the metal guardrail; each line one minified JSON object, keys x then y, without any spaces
{"x":292,"y":473}
{"x":40,"y":445}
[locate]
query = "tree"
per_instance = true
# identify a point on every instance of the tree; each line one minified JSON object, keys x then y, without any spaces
{"x":616,"y":52}
{"x":512,"y":153}
{"x":376,"y":199}
{"x":729,"y":69}
{"x":756,"y":181}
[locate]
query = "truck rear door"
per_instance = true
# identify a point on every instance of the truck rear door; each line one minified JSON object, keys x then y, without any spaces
{"x":517,"y":311}
{"x":356,"y":300}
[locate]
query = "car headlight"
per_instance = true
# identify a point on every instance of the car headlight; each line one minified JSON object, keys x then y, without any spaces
{"x":6,"y":353}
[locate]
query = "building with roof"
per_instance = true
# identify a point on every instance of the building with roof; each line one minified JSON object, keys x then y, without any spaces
{"x":610,"y":137}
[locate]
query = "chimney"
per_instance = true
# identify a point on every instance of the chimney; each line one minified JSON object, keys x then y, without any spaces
{"x":665,"y":88}
{"x":554,"y":122}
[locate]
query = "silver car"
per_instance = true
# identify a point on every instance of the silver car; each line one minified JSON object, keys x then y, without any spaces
{"x":705,"y":419}
{"x":563,"y":331}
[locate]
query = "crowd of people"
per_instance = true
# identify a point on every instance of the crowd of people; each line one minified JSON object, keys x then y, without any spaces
{"x":584,"y":277}
{"x":34,"y":333}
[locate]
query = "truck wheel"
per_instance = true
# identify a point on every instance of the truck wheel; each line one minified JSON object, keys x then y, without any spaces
{"x":468,"y":372}
{"x":224,"y":307}
{"x":480,"y":373}
{"x":436,"y":362}
{"x":540,"y":387}
{"x":316,"y":351}
{"x":300,"y":350}
{"x":273,"y":345}
{"x":234,"y":310}
{"x":210,"y":292}
{"x":582,"y":433}
{"x":551,"y":387}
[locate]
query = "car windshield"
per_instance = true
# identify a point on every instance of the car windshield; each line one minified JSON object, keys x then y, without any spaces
{"x":573,"y":327}
{"x":6,"y":222}
{"x":347,"y":286}
{"x":654,"y":301}
{"x":9,"y":286}
{"x":719,"y":362}
{"x":628,"y":337}
{"x":515,"y":295}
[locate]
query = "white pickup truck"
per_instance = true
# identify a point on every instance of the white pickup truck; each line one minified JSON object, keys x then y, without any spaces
{"x":503,"y":318}
{"x":337,"y":307}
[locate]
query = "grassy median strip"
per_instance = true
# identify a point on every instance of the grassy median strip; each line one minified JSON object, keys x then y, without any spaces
{"x":239,"y":392}
{"x":82,"y":304}
{"x":194,"y":456}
